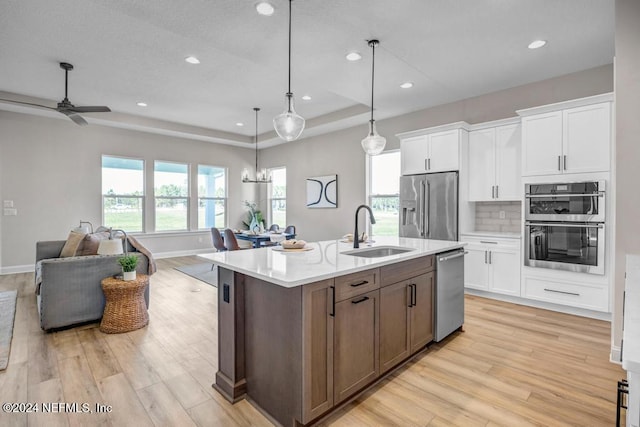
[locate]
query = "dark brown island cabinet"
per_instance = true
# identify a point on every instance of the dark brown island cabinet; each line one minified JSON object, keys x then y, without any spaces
{"x":297,"y":353}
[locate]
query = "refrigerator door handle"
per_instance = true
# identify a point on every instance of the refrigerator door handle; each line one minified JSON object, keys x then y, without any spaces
{"x":427,"y":208}
{"x":421,"y":203}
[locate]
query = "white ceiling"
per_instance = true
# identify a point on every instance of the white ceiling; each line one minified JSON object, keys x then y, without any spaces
{"x":125,"y":51}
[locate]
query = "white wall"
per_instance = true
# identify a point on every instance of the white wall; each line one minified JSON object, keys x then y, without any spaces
{"x":627,"y":158}
{"x":51,"y":169}
{"x":340,"y":152}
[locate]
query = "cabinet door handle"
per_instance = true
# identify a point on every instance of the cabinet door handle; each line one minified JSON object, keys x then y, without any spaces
{"x":414,"y":295}
{"x":486,"y":241}
{"x":410,"y":295}
{"x":562,"y":292}
{"x":493,"y":191}
{"x":364,"y":282}
{"x":429,"y":163}
{"x":426,"y":165}
{"x":485,"y":257}
{"x":559,"y":165}
{"x":565,"y":162}
{"x":490,"y":257}
{"x":333,"y":301}
{"x":497,"y":192}
{"x":363,"y":299}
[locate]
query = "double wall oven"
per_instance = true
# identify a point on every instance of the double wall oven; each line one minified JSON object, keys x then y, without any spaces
{"x":565,"y":226}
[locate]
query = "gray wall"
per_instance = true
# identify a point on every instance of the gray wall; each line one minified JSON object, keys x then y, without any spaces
{"x":340,"y":152}
{"x":51,"y":169}
{"x":627,"y":158}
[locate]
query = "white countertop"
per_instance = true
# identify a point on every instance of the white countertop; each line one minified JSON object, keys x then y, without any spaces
{"x":324,"y":261}
{"x":631,"y":333}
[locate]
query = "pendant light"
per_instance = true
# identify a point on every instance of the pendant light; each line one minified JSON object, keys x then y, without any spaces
{"x":373,"y":144}
{"x":289,"y":125}
{"x":261,"y":176}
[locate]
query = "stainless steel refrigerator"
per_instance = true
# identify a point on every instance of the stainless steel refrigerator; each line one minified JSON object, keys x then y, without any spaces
{"x":429,"y":206}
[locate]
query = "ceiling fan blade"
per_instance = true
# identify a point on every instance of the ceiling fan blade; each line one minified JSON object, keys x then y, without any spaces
{"x":91,"y":109}
{"x":27,"y":103}
{"x":77,"y":119}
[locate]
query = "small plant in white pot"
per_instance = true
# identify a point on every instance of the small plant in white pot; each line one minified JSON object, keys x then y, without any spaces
{"x":128,"y":264}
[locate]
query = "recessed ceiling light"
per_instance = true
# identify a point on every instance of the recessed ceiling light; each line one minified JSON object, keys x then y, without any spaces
{"x":141,"y":104}
{"x":353,"y":56}
{"x":306,"y":98}
{"x":537,"y":44}
{"x":265,"y":8}
{"x":192,"y":60}
{"x":239,"y":124}
{"x":406,"y":85}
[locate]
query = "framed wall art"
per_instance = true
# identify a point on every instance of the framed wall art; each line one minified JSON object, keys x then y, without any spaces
{"x":322,"y":191}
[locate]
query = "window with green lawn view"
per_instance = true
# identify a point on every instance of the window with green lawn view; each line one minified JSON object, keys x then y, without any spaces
{"x":212,"y":196}
{"x":171,"y":191}
{"x":278,"y":197}
{"x":384,"y":192}
{"x":123,"y":193}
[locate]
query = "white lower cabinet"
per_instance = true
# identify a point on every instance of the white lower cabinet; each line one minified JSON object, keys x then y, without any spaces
{"x":590,"y":296}
{"x":492,"y":264}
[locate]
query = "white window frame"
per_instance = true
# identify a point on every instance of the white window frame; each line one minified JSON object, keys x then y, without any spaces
{"x":187,"y":197}
{"x":141,"y":198}
{"x":271,"y":199}
{"x":224,"y":199}
{"x":369,"y":180}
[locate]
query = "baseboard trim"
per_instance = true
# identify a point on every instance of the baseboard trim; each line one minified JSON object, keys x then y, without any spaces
{"x":28,"y":268}
{"x":616,"y":355}
{"x":541,"y":304}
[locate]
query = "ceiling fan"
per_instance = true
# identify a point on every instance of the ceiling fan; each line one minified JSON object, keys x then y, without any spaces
{"x":65,"y":106}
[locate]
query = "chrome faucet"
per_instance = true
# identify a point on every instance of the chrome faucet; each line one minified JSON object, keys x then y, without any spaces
{"x":356,"y":238}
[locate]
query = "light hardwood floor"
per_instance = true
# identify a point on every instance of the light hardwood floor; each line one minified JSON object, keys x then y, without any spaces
{"x":513,"y":366}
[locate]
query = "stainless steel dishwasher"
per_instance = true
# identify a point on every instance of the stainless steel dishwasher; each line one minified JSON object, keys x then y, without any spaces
{"x":449,"y":293}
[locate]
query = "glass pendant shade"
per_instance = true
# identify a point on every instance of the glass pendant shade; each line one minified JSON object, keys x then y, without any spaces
{"x":373,"y":144}
{"x":288,"y":125}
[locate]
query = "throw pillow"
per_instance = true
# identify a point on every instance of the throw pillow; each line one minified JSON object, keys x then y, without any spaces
{"x":71,"y":245}
{"x":91,"y":242}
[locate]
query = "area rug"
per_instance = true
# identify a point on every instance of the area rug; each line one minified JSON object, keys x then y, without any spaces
{"x":7,"y":314}
{"x":201,"y":272}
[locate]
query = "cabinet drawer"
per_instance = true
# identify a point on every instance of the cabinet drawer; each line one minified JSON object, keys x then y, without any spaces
{"x":357,"y":283}
{"x":405,"y":270}
{"x":591,"y":297}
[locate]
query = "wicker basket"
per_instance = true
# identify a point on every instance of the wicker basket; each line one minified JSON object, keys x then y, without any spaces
{"x":125,"y":308}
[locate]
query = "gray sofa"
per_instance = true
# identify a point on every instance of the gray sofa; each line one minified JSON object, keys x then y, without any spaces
{"x":69,"y":290}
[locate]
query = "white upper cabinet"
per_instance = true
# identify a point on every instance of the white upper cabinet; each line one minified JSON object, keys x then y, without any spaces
{"x":494,"y":163}
{"x":431,"y":150}
{"x":567,"y":140}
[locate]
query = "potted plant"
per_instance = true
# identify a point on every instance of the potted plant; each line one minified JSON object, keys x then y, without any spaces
{"x":128,"y":264}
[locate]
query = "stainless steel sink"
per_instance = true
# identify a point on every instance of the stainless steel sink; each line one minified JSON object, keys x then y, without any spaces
{"x":378,"y":252}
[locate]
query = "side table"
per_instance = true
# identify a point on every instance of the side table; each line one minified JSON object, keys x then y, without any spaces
{"x":125,"y":308}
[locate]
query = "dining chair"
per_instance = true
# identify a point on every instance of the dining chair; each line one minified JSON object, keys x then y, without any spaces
{"x":230,"y":241}
{"x":218,"y":241}
{"x":291,"y":229}
{"x":274,"y":227}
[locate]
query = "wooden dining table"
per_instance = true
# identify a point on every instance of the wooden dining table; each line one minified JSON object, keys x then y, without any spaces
{"x":258,"y":239}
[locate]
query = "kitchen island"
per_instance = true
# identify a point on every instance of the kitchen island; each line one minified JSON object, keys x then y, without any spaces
{"x":302,"y":332}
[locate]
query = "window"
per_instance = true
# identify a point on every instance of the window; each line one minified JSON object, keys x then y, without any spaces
{"x":278,"y":197}
{"x":212,"y":197}
{"x":171,"y":188}
{"x":123,"y":193}
{"x":384,"y":191}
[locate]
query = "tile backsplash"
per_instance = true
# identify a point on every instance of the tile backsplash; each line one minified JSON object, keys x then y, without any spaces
{"x":488,"y":216}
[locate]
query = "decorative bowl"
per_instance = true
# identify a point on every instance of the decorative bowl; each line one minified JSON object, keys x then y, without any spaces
{"x":293,"y":244}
